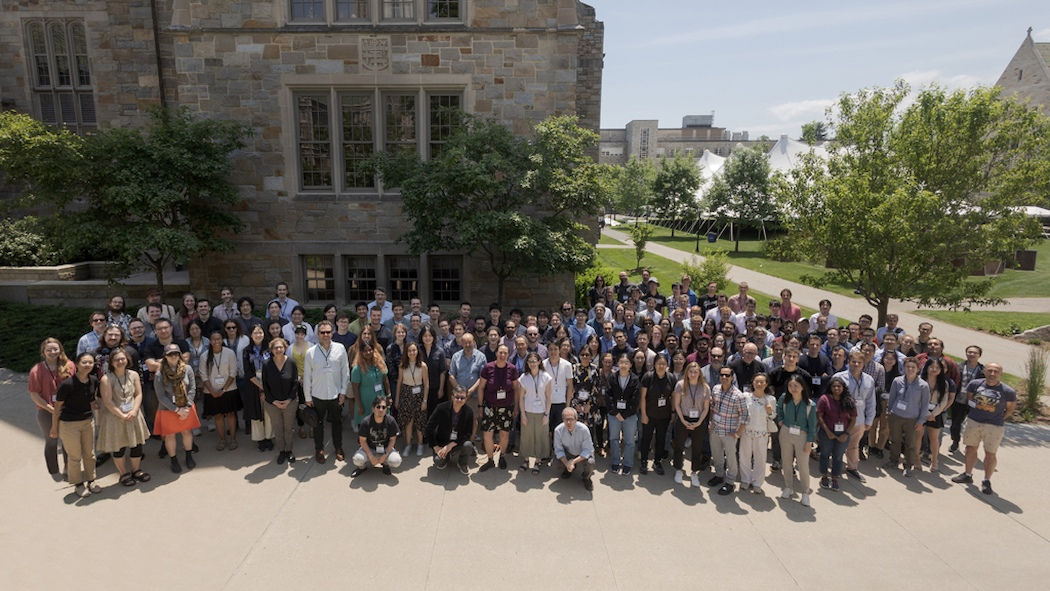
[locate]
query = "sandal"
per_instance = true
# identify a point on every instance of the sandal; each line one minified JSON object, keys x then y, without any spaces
{"x":141,"y":476}
{"x":233,"y":444}
{"x":536,"y":469}
{"x":523,"y":467}
{"x":221,"y":445}
{"x":127,"y":479}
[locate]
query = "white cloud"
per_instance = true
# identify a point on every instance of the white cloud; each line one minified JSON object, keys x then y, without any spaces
{"x":1042,"y":34}
{"x":920,"y":78}
{"x":796,"y":109}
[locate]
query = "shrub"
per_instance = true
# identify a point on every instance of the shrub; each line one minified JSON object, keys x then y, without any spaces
{"x":715,"y":267}
{"x":24,"y":243}
{"x":640,"y":235}
{"x":1036,"y":366}
{"x":25,"y":326}
{"x":780,"y":249}
{"x":585,"y":280}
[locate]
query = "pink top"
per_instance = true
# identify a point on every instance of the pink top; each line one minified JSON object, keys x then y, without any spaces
{"x":792,"y":312}
{"x":45,"y":382}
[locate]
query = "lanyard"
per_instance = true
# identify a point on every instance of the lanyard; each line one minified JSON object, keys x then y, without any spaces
{"x":693,"y":393}
{"x":326,"y":354}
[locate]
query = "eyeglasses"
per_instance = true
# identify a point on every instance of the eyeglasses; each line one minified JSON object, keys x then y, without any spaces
{"x":231,"y":328}
{"x":380,"y":408}
{"x":94,"y":320}
{"x":459,"y":397}
{"x":716,"y":357}
{"x":324,"y":332}
{"x":172,"y":354}
{"x":725,"y":375}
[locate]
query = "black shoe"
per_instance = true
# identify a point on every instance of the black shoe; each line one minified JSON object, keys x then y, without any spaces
{"x":878,"y":453}
{"x":565,"y":474}
{"x":163,"y":453}
{"x":195,"y":449}
{"x":487,"y":466}
{"x":775,"y":466}
{"x":856,"y":476}
{"x":386,"y":469}
{"x":986,"y":487}
{"x":643,"y":468}
{"x":962,"y":478}
{"x":614,"y":468}
{"x":175,"y":467}
{"x":358,"y":471}
{"x":101,"y":459}
{"x":954,"y":446}
{"x":658,"y":468}
{"x":190,"y":462}
{"x":726,"y":488}
{"x":626,"y":470}
{"x":715,"y":481}
{"x":588,"y":485}
{"x":502,"y":462}
{"x":281,"y":457}
{"x":261,"y":446}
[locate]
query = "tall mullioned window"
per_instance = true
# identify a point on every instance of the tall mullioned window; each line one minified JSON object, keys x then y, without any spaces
{"x":334,"y":144}
{"x":63,"y":93}
{"x":375,"y":11}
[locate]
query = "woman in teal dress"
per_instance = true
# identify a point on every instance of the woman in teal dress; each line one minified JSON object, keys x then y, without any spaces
{"x":368,"y":378}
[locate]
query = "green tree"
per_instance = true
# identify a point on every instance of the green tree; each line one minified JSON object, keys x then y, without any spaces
{"x":37,"y":161}
{"x":675,"y":185}
{"x":814,"y":131}
{"x":912,"y":198}
{"x":148,"y":196}
{"x":640,"y":235}
{"x":516,"y":200}
{"x":742,"y":193}
{"x":633,"y":190}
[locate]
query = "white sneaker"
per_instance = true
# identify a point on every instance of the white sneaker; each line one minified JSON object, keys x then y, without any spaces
{"x":757,"y":489}
{"x":419,"y":450}
{"x":786,"y":493}
{"x":678,"y":474}
{"x":211,"y":425}
{"x":696,"y":479}
{"x":805,"y":500}
{"x":407,"y":451}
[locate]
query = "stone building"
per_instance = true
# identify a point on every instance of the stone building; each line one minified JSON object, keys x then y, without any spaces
{"x":644,"y":138}
{"x":323,"y":84}
{"x":1028,"y":73}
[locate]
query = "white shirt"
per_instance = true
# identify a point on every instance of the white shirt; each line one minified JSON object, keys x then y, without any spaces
{"x":534,"y":398}
{"x":288,"y":332}
{"x":326,"y":374}
{"x":218,"y":371}
{"x":561,"y":380}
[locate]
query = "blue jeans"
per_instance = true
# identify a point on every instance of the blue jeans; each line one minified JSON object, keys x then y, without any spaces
{"x":629,"y":428}
{"x":831,"y":451}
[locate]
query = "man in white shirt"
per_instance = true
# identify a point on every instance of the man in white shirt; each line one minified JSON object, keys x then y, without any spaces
{"x":381,"y":302}
{"x":226,"y":309}
{"x":574,"y":448}
{"x":326,"y":376}
{"x":560,"y":371}
{"x":825,"y":310}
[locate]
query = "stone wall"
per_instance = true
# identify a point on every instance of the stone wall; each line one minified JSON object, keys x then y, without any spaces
{"x":1027,"y":75}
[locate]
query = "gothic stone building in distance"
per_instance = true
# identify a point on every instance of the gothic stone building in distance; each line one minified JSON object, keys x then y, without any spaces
{"x":1028,"y":74}
{"x":323,"y":84}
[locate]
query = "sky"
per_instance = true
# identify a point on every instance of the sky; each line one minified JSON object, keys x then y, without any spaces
{"x":768,"y":67}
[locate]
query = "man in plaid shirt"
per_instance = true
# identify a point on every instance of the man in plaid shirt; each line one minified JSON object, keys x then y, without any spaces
{"x":729,"y":416}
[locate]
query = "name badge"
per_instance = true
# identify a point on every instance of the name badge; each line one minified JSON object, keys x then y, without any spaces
{"x":258,"y":374}
{"x":380,"y":449}
{"x":378,"y":387}
{"x":885,"y":395}
{"x":901,"y":405}
{"x":621,"y":404}
{"x":747,"y":390}
{"x":127,"y":406}
{"x":417,"y":389}
{"x":972,"y":403}
{"x":694,"y":414}
{"x":583,"y":395}
{"x":661,"y":402}
{"x":816,"y":381}
{"x":839,"y":427}
{"x":218,"y":382}
{"x":501,"y":394}
{"x":716,"y":418}
{"x":794,"y":430}
{"x":932,"y":406}
{"x":453,"y":436}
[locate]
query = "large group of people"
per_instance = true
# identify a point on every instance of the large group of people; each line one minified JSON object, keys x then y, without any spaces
{"x":630,"y":375}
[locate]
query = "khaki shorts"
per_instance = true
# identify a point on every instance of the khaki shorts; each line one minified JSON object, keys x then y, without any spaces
{"x":975,"y":433}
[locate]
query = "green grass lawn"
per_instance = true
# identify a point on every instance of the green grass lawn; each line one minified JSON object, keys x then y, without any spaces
{"x":665,"y":269}
{"x":1001,"y":323}
{"x":1010,"y":284}
{"x":603,"y":239}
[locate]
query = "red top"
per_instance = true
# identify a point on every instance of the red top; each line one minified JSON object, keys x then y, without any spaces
{"x":45,"y":382}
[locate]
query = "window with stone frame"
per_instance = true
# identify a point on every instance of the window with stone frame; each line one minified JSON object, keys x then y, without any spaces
{"x":418,"y":121}
{"x":375,"y":11}
{"x":360,"y":277}
{"x":63,"y":93}
{"x":319,"y":277}
{"x":311,"y":11}
{"x":446,"y":278}
{"x":402,"y":277}
{"x":399,"y":10}
{"x":438,"y":10}
{"x":353,"y":11}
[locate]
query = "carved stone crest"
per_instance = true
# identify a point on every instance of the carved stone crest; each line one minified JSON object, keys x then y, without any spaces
{"x":375,"y":53}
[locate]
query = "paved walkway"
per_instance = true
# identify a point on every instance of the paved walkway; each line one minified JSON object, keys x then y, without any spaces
{"x":238,"y":521}
{"x":1011,"y":354}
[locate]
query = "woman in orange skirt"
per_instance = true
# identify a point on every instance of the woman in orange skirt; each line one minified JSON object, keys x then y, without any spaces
{"x":175,"y":388}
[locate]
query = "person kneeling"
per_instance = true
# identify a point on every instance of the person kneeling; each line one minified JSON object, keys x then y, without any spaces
{"x":573,"y":448}
{"x":448,"y":432}
{"x":377,"y":435}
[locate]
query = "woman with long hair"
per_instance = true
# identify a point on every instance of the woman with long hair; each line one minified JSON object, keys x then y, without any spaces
{"x":942,"y":396}
{"x":797,"y":419}
{"x":368,"y":377}
{"x":222,"y":399}
{"x":176,"y":415}
{"x":761,"y":407}
{"x":692,"y":402}
{"x":596,"y":290}
{"x":433,"y":355}
{"x":280,"y":380}
{"x":585,"y":393}
{"x":185,"y":314}
{"x":657,"y":390}
{"x":44,"y":379}
{"x":836,"y":413}
{"x":534,"y":400}
{"x":413,"y":384}
{"x":74,"y":422}
{"x":121,"y":426}
{"x":880,"y":428}
{"x":254,"y":356}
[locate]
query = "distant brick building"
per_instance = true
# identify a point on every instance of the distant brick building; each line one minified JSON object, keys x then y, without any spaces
{"x":323,"y":84}
{"x":645,"y":139}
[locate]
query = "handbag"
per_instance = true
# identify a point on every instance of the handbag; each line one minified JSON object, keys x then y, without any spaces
{"x":308,"y":415}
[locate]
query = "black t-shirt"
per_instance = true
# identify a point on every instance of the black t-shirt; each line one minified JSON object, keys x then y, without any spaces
{"x":212,"y":324}
{"x":707,"y":302}
{"x":658,"y":390}
{"x":376,"y":433}
{"x":76,"y":397}
{"x":346,"y":340}
{"x":745,"y":371}
{"x":778,"y":379}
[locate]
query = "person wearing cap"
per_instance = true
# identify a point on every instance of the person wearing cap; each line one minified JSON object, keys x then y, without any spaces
{"x":448,"y":432}
{"x":153,"y":296}
{"x":377,"y":436}
{"x":176,"y":391}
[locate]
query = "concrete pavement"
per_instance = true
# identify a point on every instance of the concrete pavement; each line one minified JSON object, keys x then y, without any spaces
{"x":1011,"y":354}
{"x":239,"y":521}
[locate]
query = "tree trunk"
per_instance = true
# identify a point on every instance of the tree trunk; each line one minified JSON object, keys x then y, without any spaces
{"x":882,"y":307}
{"x":158,"y":272}
{"x":500,"y":280}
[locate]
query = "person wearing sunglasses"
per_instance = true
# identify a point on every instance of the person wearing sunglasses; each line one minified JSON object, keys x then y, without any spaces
{"x":448,"y":432}
{"x":90,"y":341}
{"x":326,"y":379}
{"x":377,"y":436}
